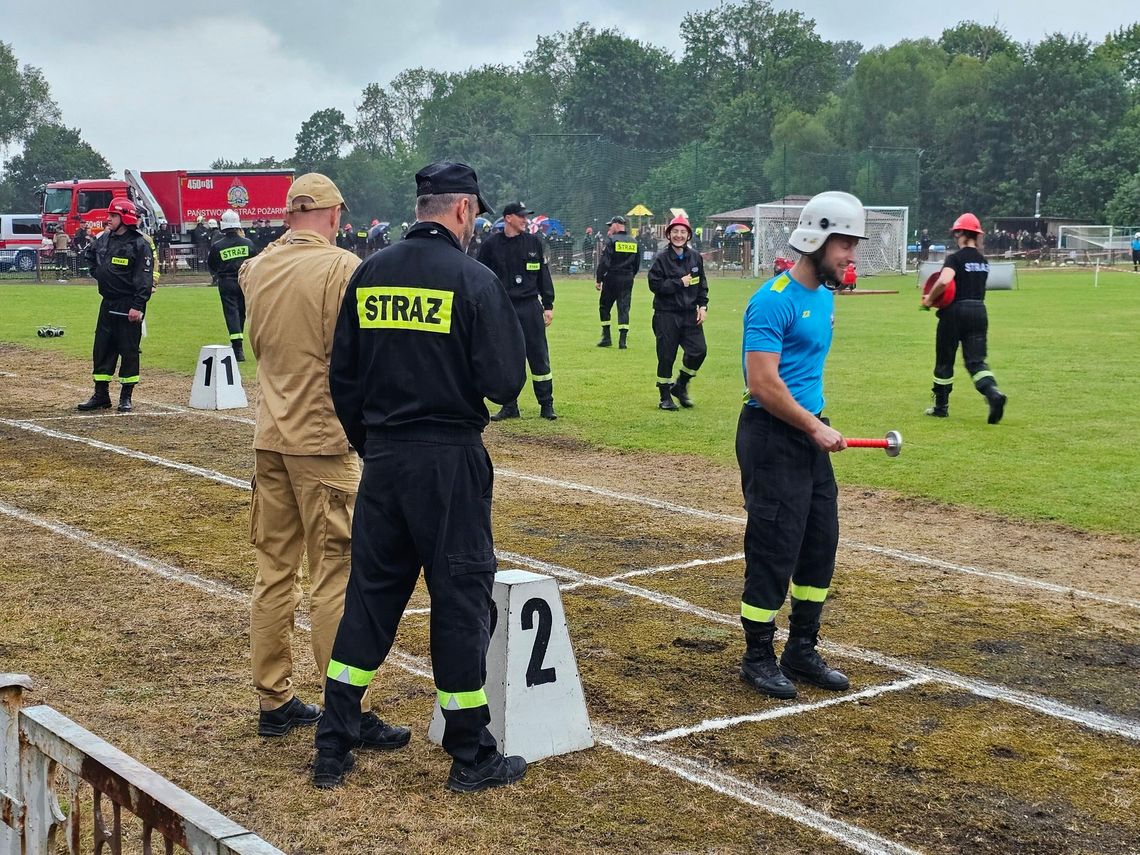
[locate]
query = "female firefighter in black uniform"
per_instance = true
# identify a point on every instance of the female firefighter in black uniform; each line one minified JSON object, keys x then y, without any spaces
{"x":963,"y":321}
{"x":680,"y":301}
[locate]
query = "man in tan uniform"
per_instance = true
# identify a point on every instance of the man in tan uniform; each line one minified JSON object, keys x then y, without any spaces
{"x":306,"y":474}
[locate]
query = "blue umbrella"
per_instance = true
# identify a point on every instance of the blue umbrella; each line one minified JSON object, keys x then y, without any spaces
{"x":377,"y":230}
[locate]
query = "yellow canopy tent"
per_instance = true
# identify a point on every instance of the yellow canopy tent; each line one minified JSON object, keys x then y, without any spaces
{"x":639,"y":211}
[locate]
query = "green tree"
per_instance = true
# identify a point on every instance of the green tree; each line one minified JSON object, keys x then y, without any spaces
{"x":25,"y":99}
{"x":321,"y":140}
{"x":1124,"y":207}
{"x":51,"y":153}
{"x":1121,"y":49}
{"x":969,"y":38}
{"x":847,"y":55}
{"x":269,"y":162}
{"x":374,"y":131}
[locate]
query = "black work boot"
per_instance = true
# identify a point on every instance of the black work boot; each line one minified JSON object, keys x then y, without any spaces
{"x":621,"y":339}
{"x":941,"y":408}
{"x":606,"y":341}
{"x":330,"y":768}
{"x":800,"y":661}
{"x":681,"y":390}
{"x":758,"y":668}
{"x":280,"y":721}
{"x":376,"y":735}
{"x":547,"y":411}
{"x":666,"y":397}
{"x":508,"y":411}
{"x":239,"y":349}
{"x":101,"y":400}
{"x":125,"y":398}
{"x":494,"y":771}
{"x":997,"y":404}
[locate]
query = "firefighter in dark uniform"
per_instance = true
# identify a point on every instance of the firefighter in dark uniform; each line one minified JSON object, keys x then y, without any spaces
{"x":425,"y":334}
{"x":517,"y":258}
{"x":963,"y":321}
{"x":680,"y":302}
{"x":619,"y":264}
{"x":783,"y":445}
{"x":227,"y":255}
{"x":122,"y":262}
{"x":361,"y":247}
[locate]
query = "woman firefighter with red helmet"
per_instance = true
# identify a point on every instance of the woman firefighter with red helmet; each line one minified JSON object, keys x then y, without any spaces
{"x":962,"y":320}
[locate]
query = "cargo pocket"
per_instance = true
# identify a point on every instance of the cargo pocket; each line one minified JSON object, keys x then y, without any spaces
{"x":254,"y":513}
{"x":465,"y":563}
{"x":764,"y":509}
{"x":337,"y":500}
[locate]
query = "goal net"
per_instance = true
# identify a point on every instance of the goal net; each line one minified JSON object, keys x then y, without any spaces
{"x":884,"y":250}
{"x":1090,"y":244}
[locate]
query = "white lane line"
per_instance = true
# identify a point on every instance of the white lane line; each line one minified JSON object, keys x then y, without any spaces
{"x":897,"y":554}
{"x":426,"y":611}
{"x":783,"y":712}
{"x":696,"y":772}
{"x":83,"y":417}
{"x":1127,"y":728}
{"x":650,"y":571}
{"x":853,"y":836}
{"x":130,"y":452}
{"x":1118,"y":726}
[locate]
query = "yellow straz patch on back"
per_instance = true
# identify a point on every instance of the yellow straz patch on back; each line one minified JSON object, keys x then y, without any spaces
{"x":390,"y":307}
{"x":625,"y":246}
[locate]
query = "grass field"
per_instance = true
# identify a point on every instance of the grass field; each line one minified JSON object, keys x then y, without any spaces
{"x":1064,"y":352}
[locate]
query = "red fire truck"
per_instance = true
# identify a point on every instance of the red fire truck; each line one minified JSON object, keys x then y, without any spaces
{"x":177,"y":197}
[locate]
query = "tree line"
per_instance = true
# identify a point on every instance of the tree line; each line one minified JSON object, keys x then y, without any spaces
{"x":756,"y":106}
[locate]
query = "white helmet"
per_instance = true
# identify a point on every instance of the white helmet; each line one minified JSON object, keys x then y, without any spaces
{"x":827,"y":214}
{"x":1137,"y":235}
{"x":230,"y":220}
{"x":211,"y":223}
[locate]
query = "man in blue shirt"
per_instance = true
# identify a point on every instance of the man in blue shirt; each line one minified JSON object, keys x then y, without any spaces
{"x":782,"y":445}
{"x":1136,"y":252}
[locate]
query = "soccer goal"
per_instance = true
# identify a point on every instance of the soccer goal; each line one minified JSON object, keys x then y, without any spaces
{"x":884,"y":250}
{"x":1093,"y":244}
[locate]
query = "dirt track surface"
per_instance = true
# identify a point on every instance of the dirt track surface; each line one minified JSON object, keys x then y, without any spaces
{"x":1048,"y":616}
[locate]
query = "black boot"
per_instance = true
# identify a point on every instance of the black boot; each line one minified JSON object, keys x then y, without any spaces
{"x":293,"y":713}
{"x":239,"y":349}
{"x":125,"y":398}
{"x":330,"y":768}
{"x":941,"y":408}
{"x":997,"y":405}
{"x":606,"y":340}
{"x":547,"y":411}
{"x":621,"y":339}
{"x":666,"y":397}
{"x":101,"y":400}
{"x":508,"y":411}
{"x":800,"y":661}
{"x":494,"y":771}
{"x":758,"y":668}
{"x":681,"y":390}
{"x":377,"y":735}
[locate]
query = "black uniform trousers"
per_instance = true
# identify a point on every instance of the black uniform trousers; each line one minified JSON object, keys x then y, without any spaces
{"x":233,"y":306}
{"x":673,"y":330}
{"x":420,"y":504}
{"x":962,"y":322}
{"x":117,"y":341}
{"x":617,"y":291}
{"x":1136,"y":259}
{"x":529,"y":311}
{"x":793,"y":517}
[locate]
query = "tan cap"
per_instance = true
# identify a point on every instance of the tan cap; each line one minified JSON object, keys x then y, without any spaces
{"x":319,"y":188}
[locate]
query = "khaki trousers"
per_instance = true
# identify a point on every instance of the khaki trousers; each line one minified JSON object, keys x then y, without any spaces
{"x":301,"y":506}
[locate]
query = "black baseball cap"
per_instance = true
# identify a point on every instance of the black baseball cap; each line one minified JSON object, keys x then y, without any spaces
{"x":618,"y":219}
{"x":444,"y":176}
{"x":517,"y":208}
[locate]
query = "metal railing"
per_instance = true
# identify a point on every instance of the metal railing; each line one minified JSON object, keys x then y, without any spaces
{"x":48,"y":761}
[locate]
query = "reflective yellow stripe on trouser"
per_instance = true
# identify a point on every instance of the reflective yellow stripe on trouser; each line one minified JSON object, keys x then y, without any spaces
{"x":347,"y":674}
{"x":461,"y":700}
{"x":807,"y":592}
{"x":759,"y":615}
{"x":538,"y":378}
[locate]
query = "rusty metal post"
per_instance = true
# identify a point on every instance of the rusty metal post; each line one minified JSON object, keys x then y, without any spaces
{"x":11,"y":790}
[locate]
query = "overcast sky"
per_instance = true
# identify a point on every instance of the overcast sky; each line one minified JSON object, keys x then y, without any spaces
{"x":236,"y":80}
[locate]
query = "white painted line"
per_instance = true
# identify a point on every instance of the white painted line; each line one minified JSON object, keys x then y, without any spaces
{"x":695,"y":772}
{"x":785,"y":711}
{"x":1118,"y":726}
{"x":426,"y":611}
{"x":81,"y":417}
{"x":690,"y":770}
{"x":897,"y":554}
{"x":651,"y":571}
{"x":1128,"y":728}
{"x":129,"y":452}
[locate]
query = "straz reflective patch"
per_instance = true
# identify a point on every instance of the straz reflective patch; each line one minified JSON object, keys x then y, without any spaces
{"x":533,"y":265}
{"x":119,"y":261}
{"x":695,"y":280}
{"x":389,"y":307}
{"x":234,"y":252}
{"x":625,"y":246}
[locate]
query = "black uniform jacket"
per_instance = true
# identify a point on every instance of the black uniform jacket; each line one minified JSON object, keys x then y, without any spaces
{"x":424,"y":334}
{"x":669,"y":292}
{"x":620,"y":259}
{"x":124,"y":268}
{"x":229,"y":254}
{"x":520,"y":264}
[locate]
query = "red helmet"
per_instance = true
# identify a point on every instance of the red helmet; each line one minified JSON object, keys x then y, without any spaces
{"x":947,"y":295}
{"x":967,"y":223}
{"x":126,"y":209}
{"x":679,"y":221}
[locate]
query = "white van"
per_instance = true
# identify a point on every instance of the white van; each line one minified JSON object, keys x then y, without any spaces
{"x":20,"y":240}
